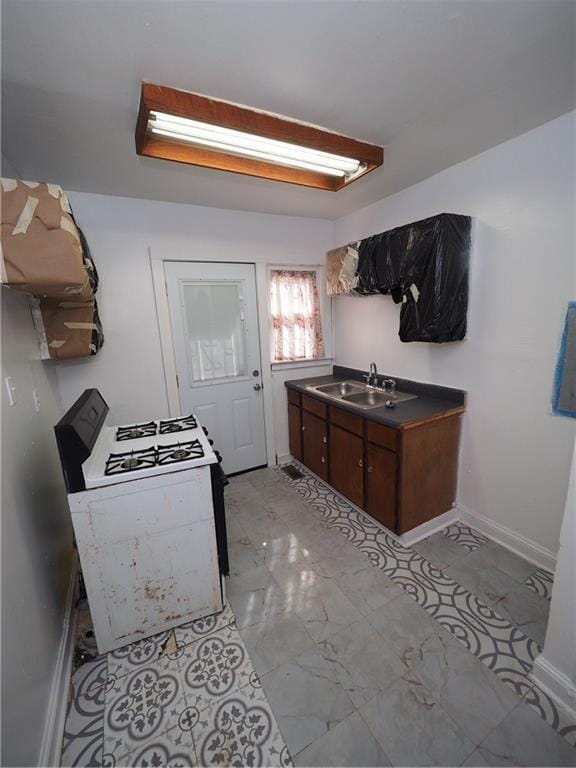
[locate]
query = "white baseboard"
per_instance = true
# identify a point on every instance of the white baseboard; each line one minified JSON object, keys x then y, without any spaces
{"x":555,"y":683}
{"x":51,"y":744}
{"x":526,"y":548}
{"x":428,"y":528}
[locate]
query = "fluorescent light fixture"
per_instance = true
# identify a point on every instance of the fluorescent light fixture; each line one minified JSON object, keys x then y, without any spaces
{"x":194,"y":129}
{"x":249,"y":145}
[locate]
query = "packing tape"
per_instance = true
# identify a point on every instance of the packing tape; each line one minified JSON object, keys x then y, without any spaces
{"x":64,"y":202}
{"x":81,"y":326}
{"x":56,"y":344}
{"x":9,"y":185}
{"x":31,"y":184}
{"x":26,"y":216}
{"x":55,"y":190}
{"x":3,"y":273}
{"x":70,"y":227}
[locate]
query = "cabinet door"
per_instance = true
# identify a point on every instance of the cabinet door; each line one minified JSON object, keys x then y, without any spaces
{"x":295,"y":430}
{"x":346,"y":464}
{"x":314,"y":444}
{"x":381,"y":485}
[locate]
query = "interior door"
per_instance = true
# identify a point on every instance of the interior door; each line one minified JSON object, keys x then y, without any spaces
{"x":214,"y":321}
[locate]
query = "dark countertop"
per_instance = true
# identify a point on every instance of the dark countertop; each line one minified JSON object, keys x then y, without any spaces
{"x":432,"y":401}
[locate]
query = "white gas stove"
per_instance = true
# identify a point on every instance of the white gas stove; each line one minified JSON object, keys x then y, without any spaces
{"x":142,"y":498}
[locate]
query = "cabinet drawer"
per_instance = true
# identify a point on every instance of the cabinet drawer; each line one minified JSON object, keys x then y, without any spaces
{"x":381,"y":435}
{"x":346,"y":420}
{"x":314,"y":406}
{"x":293,"y":397}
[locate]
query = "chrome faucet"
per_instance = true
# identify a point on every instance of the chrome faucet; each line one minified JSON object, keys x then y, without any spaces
{"x":372,"y":377}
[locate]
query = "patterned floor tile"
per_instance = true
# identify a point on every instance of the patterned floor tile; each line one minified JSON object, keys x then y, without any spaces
{"x":497,"y":642}
{"x":172,"y":749}
{"x":465,"y":536}
{"x":240,"y":730}
{"x":136,"y":655}
{"x":89,"y":676}
{"x":194,"y":630}
{"x":140,"y":706}
{"x":83,"y":742}
{"x":541,"y":582}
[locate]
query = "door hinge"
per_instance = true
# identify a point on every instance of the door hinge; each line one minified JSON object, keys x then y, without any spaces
{"x":177,"y":382}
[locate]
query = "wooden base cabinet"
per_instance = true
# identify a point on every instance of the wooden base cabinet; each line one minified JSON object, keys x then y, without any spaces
{"x":346,"y":472}
{"x":402,"y":476}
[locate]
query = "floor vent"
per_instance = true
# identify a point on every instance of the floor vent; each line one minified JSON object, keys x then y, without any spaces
{"x":292,"y":471}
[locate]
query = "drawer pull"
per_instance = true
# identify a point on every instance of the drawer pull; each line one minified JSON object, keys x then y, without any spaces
{"x":323,"y":460}
{"x":360,"y":463}
{"x":324,"y":440}
{"x":303,"y":428}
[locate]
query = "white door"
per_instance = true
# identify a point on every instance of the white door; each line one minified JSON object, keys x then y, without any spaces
{"x":217,"y":347}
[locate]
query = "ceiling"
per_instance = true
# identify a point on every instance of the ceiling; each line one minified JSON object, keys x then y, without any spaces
{"x":435,"y":82}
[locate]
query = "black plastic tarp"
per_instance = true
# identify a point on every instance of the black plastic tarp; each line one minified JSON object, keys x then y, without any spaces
{"x":425,"y":266}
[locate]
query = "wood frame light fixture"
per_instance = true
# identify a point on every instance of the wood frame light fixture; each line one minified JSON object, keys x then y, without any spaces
{"x":189,"y":128}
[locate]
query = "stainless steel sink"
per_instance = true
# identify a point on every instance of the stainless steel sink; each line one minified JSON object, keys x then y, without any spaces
{"x":340,"y":389}
{"x":360,"y":395}
{"x":372,"y":398}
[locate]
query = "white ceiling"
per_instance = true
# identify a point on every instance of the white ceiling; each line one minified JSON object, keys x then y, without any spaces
{"x":435,"y":82}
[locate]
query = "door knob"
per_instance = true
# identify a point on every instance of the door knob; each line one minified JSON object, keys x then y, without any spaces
{"x":255,"y":373}
{"x":257,"y":387}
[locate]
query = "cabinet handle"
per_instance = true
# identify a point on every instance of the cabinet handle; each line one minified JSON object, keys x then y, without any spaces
{"x":303,"y":428}
{"x":360,"y":463}
{"x":369,"y":469}
{"x":324,"y":440}
{"x":323,"y":460}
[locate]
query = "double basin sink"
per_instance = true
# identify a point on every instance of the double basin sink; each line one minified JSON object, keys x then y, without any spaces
{"x":360,"y":395}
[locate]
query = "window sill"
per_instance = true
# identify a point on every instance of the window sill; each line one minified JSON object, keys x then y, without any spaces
{"x":286,"y":365}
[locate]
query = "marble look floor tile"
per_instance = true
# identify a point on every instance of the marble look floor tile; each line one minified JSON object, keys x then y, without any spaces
{"x":361,"y":662}
{"x":83,"y":742}
{"x":558,"y":717}
{"x":527,"y":611}
{"x":234,"y":529}
{"x":525,"y":739}
{"x":368,"y":588}
{"x":403,"y":625}
{"x":323,"y":609}
{"x":439,"y":550}
{"x":240,"y":730}
{"x":413,"y":728}
{"x":243,"y":556}
{"x":306,"y":699}
{"x":490,"y":585}
{"x":492,"y":555}
{"x":254,"y":595}
{"x":195,"y":630}
{"x":475,"y":760}
{"x":172,"y":749}
{"x":350,"y":743}
{"x":467,"y":690}
{"x":275,"y":640}
{"x":541,"y":582}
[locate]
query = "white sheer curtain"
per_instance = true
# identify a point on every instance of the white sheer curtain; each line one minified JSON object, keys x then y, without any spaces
{"x":295,"y":306}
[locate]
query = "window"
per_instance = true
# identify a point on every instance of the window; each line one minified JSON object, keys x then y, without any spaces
{"x":296,"y":315}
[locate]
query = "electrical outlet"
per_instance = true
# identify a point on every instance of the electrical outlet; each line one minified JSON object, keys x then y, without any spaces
{"x":11,"y":389}
{"x":36,"y":399}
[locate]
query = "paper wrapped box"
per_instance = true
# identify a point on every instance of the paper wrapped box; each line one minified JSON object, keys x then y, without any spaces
{"x":41,"y":250}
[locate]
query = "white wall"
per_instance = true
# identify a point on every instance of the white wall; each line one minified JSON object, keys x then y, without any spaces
{"x":36,"y":537}
{"x":515,"y":455}
{"x":128,"y":371}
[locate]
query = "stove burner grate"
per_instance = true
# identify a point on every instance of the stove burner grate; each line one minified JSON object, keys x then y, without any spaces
{"x":172,"y":454}
{"x":135,"y":431}
{"x":118,"y":463}
{"x":168,"y":426}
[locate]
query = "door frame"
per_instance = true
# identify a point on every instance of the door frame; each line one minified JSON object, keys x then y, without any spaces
{"x":167,"y":340}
